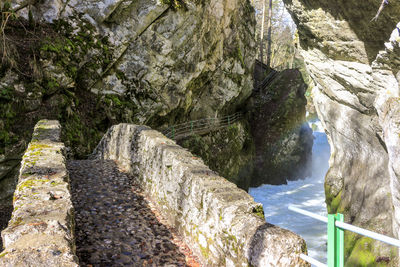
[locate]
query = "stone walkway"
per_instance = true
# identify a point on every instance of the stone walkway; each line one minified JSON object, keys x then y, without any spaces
{"x":115,"y":226}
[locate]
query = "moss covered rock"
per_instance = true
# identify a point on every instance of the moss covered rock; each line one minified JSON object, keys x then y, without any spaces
{"x":355,"y":64}
{"x":229,"y":151}
{"x":92,"y":64}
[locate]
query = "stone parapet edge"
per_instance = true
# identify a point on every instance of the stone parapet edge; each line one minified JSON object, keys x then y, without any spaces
{"x":41,"y":229}
{"x":220,"y":222}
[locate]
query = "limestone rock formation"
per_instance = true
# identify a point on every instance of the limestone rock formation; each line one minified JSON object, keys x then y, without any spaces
{"x":159,"y":57}
{"x":283,"y":141}
{"x":273,"y":144}
{"x":355,"y":64}
{"x":91,"y":64}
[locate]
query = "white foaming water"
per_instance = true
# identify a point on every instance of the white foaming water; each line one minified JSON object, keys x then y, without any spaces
{"x":307,"y":194}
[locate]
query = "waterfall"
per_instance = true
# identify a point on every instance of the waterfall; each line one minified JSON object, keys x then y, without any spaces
{"x":307,"y":194}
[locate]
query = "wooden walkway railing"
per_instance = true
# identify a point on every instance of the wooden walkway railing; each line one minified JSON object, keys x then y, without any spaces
{"x":201,"y":126}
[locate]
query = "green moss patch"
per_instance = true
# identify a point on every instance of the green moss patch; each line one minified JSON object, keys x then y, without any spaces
{"x":38,"y":146}
{"x":259,"y":212}
{"x":29,"y":184}
{"x":205,"y":252}
{"x":334,"y":204}
{"x":176,"y":4}
{"x":361,"y":255}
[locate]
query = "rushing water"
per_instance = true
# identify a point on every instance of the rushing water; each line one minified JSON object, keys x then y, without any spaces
{"x":307,"y":194}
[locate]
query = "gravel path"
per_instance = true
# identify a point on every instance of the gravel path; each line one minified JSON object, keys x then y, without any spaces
{"x":115,"y":225}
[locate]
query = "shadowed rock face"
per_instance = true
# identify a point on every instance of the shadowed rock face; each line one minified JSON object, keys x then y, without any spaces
{"x":229,"y":151}
{"x":271,"y":145}
{"x":355,"y":64}
{"x":283,"y":141}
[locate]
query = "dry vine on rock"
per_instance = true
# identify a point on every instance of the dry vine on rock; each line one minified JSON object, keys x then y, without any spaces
{"x":6,"y":15}
{"x":382,"y":6}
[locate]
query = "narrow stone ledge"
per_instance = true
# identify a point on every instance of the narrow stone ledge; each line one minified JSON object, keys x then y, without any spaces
{"x":40,"y":232}
{"x":220,"y":222}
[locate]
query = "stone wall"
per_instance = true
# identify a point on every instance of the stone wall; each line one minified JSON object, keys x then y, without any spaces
{"x":221,"y":223}
{"x":40,"y":232}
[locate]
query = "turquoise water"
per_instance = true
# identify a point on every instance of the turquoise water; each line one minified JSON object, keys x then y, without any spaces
{"x":307,"y":194}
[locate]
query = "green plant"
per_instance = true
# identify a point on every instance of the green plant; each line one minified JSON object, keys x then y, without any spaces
{"x":176,"y":4}
{"x":6,"y":14}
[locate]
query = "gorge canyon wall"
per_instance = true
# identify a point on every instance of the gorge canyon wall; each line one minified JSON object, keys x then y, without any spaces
{"x":355,"y":64}
{"x":92,"y":64}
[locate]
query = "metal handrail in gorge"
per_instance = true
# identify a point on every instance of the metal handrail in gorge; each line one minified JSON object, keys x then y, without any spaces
{"x":336,"y":227}
{"x":205,"y":125}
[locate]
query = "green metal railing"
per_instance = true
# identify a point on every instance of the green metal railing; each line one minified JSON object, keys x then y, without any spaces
{"x":336,"y":228}
{"x":200,"y":126}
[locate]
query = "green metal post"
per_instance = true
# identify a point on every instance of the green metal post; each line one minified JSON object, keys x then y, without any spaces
{"x":339,"y":241}
{"x":229,"y":121}
{"x":191,"y":126}
{"x":173,"y":132}
{"x":331,"y":240}
{"x":335,"y":241}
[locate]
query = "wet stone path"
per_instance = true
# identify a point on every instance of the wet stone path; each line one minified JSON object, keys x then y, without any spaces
{"x":115,"y":226}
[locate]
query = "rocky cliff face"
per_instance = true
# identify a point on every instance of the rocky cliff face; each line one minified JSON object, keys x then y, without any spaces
{"x":283,"y":141}
{"x":170,"y":63}
{"x":91,"y":64}
{"x":271,"y":145}
{"x":355,"y":64}
{"x":230,"y":151}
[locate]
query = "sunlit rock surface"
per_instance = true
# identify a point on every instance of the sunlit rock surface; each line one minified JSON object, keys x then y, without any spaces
{"x":195,"y":60}
{"x":92,"y":64}
{"x":355,"y":63}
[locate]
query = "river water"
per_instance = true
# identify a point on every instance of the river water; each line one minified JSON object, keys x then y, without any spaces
{"x":307,"y":194}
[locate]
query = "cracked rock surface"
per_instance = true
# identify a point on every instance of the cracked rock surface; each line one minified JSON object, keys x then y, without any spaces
{"x":355,"y":65}
{"x":114,"y":224}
